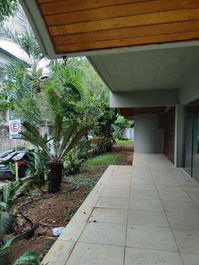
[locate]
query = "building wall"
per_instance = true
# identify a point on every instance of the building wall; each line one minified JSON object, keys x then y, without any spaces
{"x":128,"y":134}
{"x":190,"y":91}
{"x":148,"y":133}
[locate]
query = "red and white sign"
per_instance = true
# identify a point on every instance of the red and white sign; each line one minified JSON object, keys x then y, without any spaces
{"x":15,"y":128}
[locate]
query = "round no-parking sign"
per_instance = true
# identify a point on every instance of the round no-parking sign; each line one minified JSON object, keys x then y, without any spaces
{"x":15,"y":128}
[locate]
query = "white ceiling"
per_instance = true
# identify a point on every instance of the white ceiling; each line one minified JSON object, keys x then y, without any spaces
{"x":169,"y":68}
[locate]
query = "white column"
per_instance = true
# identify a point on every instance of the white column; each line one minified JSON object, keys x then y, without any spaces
{"x":148,"y":134}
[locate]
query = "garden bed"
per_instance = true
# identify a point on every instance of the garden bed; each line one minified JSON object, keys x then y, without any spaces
{"x":54,"y":210}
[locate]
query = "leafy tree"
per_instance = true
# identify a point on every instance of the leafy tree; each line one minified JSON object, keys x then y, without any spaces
{"x":7,"y":8}
{"x":20,"y":81}
{"x":94,"y":106}
{"x":119,"y":126}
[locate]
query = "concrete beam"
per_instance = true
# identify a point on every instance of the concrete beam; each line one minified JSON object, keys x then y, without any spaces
{"x":144,"y":98}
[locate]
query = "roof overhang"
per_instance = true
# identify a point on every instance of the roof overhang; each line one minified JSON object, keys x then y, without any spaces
{"x":146,"y":51}
{"x":76,"y":28}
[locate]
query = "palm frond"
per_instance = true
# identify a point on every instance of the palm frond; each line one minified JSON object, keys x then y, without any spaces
{"x":76,"y":140}
{"x":33,"y":135}
{"x":67,"y":134}
{"x":54,"y":99}
{"x":5,"y":222}
{"x":6,"y":192}
{"x":58,"y":128}
{"x":20,"y":189}
{"x":29,"y":258}
{"x":74,"y":87}
{"x":4,"y":247}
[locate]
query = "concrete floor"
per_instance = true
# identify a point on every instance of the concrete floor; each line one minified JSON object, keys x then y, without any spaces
{"x":147,"y":214}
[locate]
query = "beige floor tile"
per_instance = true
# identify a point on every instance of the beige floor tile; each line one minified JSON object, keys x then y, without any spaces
{"x":144,"y":194}
{"x":185,"y":179}
{"x":190,"y":188}
{"x":194,"y":196}
{"x":143,"y":187}
{"x":59,"y":253}
{"x":147,"y":218}
{"x":150,"y":238}
{"x":83,"y":213}
{"x":88,"y":254}
{"x":112,"y":186}
{"x":91,"y":200}
{"x":187,"y":240}
{"x":142,"y":180}
{"x":168,"y":187}
{"x":113,"y":202}
{"x":183,"y":221}
{"x":72,"y":231}
{"x":190,"y":259}
{"x":99,"y":227}
{"x":181,"y":207}
{"x":173,"y":195}
{"x":165,"y":181}
{"x":101,"y":233}
{"x":120,"y":193}
{"x":151,"y":257}
{"x":109,"y":215}
{"x":150,"y":205}
{"x":120,"y":184}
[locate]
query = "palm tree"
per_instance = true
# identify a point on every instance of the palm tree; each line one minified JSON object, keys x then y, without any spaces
{"x":64,"y":138}
{"x":21,"y":81}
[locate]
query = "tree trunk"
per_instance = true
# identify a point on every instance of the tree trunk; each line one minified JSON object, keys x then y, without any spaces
{"x":55,"y":176}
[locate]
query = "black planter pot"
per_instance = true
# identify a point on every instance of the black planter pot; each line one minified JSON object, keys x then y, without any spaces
{"x":55,"y":176}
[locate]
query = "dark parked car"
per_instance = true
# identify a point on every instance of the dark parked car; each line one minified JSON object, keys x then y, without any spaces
{"x":9,"y":158}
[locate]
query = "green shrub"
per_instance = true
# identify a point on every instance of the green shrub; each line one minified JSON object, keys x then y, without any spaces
{"x":72,"y":163}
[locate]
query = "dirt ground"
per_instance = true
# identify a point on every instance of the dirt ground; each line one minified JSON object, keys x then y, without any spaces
{"x":55,"y":210}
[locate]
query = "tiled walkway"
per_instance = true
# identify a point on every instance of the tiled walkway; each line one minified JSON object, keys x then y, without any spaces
{"x":147,"y":214}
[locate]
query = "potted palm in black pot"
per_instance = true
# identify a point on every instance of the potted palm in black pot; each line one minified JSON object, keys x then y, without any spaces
{"x":63,"y":139}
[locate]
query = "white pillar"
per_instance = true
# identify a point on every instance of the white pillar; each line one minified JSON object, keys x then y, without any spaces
{"x":148,"y":134}
{"x":179,"y":136}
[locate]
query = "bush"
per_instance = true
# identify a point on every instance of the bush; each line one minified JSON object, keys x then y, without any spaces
{"x":72,"y":163}
{"x":119,"y":126}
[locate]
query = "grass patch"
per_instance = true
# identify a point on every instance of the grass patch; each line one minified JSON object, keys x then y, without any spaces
{"x":92,"y":169}
{"x":125,"y":142}
{"x":105,"y":159}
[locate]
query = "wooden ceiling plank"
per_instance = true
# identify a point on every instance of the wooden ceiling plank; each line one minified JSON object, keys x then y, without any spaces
{"x":75,"y":5}
{"x":47,"y":1}
{"x":151,"y":30}
{"x":127,"y":42}
{"x":130,"y":21}
{"x":119,"y":11}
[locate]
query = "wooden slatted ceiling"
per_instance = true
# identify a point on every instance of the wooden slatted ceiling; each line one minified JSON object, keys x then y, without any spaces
{"x":84,"y":25}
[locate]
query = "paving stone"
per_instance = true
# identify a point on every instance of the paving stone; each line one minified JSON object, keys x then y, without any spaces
{"x":59,"y":253}
{"x":150,"y":238}
{"x":103,"y":233}
{"x":150,"y":257}
{"x":92,"y":254}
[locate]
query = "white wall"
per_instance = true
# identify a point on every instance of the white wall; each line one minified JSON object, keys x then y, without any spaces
{"x":128,"y":134}
{"x":190,"y":91}
{"x":148,"y":134}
